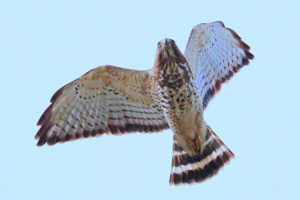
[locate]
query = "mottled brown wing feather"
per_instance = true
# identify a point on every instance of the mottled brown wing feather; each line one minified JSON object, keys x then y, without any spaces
{"x":107,"y":99}
{"x":215,"y":53}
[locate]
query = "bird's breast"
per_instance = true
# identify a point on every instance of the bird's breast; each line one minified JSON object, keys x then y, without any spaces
{"x":175,"y":92}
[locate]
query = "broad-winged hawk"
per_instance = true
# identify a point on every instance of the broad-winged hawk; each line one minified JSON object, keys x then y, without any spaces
{"x":173,"y":94}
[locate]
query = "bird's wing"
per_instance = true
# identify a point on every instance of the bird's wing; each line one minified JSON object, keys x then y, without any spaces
{"x":215,"y":53}
{"x":106,"y":99}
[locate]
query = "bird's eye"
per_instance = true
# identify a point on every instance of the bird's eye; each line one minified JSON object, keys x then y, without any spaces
{"x":172,"y":41}
{"x":158,"y":44}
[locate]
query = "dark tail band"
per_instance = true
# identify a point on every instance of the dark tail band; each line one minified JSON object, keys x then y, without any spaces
{"x":197,"y":168}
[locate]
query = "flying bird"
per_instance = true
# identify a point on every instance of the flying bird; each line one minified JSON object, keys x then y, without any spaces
{"x":172,"y":95}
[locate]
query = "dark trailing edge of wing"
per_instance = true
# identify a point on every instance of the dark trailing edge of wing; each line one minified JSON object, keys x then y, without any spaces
{"x":245,"y":61}
{"x":47,"y":112}
{"x":46,"y":124}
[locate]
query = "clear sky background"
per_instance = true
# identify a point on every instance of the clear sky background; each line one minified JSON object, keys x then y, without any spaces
{"x":46,"y":44}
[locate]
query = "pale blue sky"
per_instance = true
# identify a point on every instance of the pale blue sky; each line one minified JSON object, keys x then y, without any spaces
{"x":46,"y":44}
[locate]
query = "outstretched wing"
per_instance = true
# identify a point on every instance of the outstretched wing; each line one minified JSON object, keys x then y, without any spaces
{"x":106,"y":99}
{"x":215,"y":53}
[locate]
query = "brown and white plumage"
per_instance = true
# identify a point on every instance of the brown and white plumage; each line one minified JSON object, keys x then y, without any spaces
{"x":107,"y":99}
{"x":188,"y":168}
{"x":215,"y":53}
{"x":172,"y":95}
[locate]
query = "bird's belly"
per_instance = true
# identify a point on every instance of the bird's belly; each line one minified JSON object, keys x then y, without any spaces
{"x":182,"y":111}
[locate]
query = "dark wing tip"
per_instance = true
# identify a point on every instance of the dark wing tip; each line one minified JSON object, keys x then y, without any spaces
{"x":220,"y":22}
{"x":41,"y":140}
{"x":249,"y":55}
{"x":234,"y":34}
{"x":41,"y":135}
{"x":245,"y":61}
{"x":41,"y":143}
{"x":244,"y":45}
{"x":44,"y":120}
{"x":45,"y":115}
{"x":57,"y":94}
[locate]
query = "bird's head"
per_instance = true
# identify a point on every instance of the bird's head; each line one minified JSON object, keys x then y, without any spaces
{"x":168,"y":60}
{"x":167,"y":51}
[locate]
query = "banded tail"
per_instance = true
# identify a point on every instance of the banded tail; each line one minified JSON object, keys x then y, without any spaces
{"x":197,"y":168}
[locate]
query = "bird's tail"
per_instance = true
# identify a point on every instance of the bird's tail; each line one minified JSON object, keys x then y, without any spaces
{"x":188,"y":168}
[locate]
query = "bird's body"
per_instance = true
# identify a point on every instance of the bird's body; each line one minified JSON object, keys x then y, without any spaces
{"x":173,"y":94}
{"x":175,"y":91}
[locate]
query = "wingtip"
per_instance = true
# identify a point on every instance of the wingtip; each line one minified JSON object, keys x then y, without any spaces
{"x":249,"y":55}
{"x":235,"y":35}
{"x":57,"y":94}
{"x":45,"y":115}
{"x":42,"y":141}
{"x":244,"y":45}
{"x":39,"y":145}
{"x":220,"y":22}
{"x":245,"y":61}
{"x":36,"y":137}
